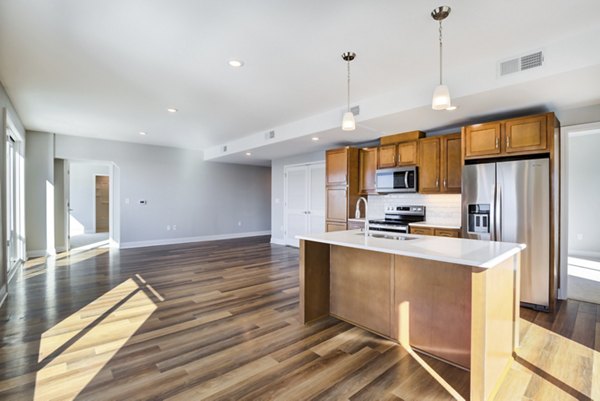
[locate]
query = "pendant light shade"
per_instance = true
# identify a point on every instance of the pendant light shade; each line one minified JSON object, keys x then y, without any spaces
{"x":441,"y":94}
{"x":348,"y":123}
{"x":441,"y":98}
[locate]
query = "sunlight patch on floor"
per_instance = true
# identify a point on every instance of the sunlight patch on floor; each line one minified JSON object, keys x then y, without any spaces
{"x":552,"y":367}
{"x":75,"y":350}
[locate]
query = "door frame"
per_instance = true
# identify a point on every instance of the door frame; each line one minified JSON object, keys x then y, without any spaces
{"x":567,"y":132}
{"x":18,"y":196}
{"x":285,"y":193}
{"x":114,"y":209}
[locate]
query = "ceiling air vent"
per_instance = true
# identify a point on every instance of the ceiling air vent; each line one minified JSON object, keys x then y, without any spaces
{"x":522,"y":63}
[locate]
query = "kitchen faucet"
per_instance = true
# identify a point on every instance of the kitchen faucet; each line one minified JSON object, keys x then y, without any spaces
{"x":357,"y":213}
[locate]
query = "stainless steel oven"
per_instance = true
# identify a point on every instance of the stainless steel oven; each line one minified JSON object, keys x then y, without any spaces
{"x":401,"y":179}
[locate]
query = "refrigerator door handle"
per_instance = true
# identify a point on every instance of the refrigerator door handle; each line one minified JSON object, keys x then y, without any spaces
{"x":498,"y":213}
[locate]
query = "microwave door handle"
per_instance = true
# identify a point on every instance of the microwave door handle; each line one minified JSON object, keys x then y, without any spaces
{"x":406,"y":179}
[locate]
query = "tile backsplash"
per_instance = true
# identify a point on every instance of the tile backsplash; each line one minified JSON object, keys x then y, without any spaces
{"x":440,"y":209}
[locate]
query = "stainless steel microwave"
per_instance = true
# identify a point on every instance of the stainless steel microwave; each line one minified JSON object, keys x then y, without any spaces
{"x":401,"y":179}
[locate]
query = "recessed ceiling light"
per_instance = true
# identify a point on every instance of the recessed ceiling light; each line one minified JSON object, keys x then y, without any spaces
{"x":450,"y":108}
{"x":315,"y":138}
{"x":248,"y":154}
{"x":172,"y":110}
{"x":236,"y":63}
{"x":142,"y":133}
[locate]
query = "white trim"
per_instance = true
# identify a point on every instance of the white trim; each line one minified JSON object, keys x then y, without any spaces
{"x":185,"y":240}
{"x":568,"y":132}
{"x":277,"y":241}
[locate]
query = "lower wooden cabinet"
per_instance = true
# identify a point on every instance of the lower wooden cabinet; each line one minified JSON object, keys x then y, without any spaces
{"x":335,"y":226}
{"x":436,"y":231}
{"x":360,"y":288}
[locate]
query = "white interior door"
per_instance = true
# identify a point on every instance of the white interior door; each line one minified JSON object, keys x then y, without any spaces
{"x":316,"y":198}
{"x":11,"y":202}
{"x":296,"y":203}
{"x":304,"y":201}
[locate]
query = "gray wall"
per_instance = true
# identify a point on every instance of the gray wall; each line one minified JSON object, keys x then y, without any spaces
{"x":39,"y":193}
{"x":584,"y":195}
{"x":200,"y":198}
{"x":82,"y":194}
{"x":277,"y":189}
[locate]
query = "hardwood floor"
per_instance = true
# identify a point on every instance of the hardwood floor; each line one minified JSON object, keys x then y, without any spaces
{"x":219,"y":321}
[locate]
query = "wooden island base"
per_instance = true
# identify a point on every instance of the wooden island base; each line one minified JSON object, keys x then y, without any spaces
{"x":467,"y":316}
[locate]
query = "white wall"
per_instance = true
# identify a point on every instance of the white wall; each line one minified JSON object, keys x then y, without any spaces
{"x":39,"y":193}
{"x":82,"y":195}
{"x":277,"y":194}
{"x":202,"y":199}
{"x":584,"y":194}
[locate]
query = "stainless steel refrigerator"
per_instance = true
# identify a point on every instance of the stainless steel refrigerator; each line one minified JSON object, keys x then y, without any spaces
{"x":510,"y":202}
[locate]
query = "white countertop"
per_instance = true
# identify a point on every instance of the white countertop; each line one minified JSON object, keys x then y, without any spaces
{"x":475,"y":253}
{"x":428,"y":224}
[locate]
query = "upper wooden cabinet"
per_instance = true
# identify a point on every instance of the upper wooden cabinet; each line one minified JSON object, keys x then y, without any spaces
{"x":526,"y":134}
{"x":408,"y":153}
{"x":516,"y":136}
{"x":482,"y":139}
{"x":386,"y":156}
{"x":429,"y":166}
{"x":336,"y":165}
{"x":367,"y":161}
{"x":440,"y":164}
{"x":342,"y":176}
{"x":451,"y":167}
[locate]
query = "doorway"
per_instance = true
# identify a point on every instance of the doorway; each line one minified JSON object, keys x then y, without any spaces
{"x":89,"y":204}
{"x":304,"y":201}
{"x":583,"y":195}
{"x":102,"y":203}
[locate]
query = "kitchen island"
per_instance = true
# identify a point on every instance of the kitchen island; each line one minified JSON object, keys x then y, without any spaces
{"x":454,"y":299}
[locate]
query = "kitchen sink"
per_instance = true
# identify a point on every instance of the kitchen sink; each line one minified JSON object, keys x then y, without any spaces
{"x":396,"y":237}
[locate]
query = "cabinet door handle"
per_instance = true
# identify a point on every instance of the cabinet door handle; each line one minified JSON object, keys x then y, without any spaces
{"x":507,"y":141}
{"x":437,"y":182}
{"x":445,"y":183}
{"x":497,"y":142}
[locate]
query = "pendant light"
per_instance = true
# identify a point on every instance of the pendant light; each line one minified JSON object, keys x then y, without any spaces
{"x":441,"y":94}
{"x":348,"y":123}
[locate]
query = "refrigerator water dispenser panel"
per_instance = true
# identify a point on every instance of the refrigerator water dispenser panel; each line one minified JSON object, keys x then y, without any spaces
{"x":479,"y":218}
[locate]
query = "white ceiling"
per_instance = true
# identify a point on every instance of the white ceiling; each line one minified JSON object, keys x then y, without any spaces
{"x":111,"y":68}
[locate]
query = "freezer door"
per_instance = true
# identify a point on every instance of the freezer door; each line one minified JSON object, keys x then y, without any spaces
{"x":478,"y":188}
{"x":523,"y":216}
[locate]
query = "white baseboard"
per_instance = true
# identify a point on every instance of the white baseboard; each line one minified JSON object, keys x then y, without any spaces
{"x":277,"y":241}
{"x":185,"y":240}
{"x":37,"y":254}
{"x":61,"y":249}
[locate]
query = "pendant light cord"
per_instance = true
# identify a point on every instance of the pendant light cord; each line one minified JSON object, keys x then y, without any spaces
{"x":348,"y":85}
{"x":440,"y":52}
